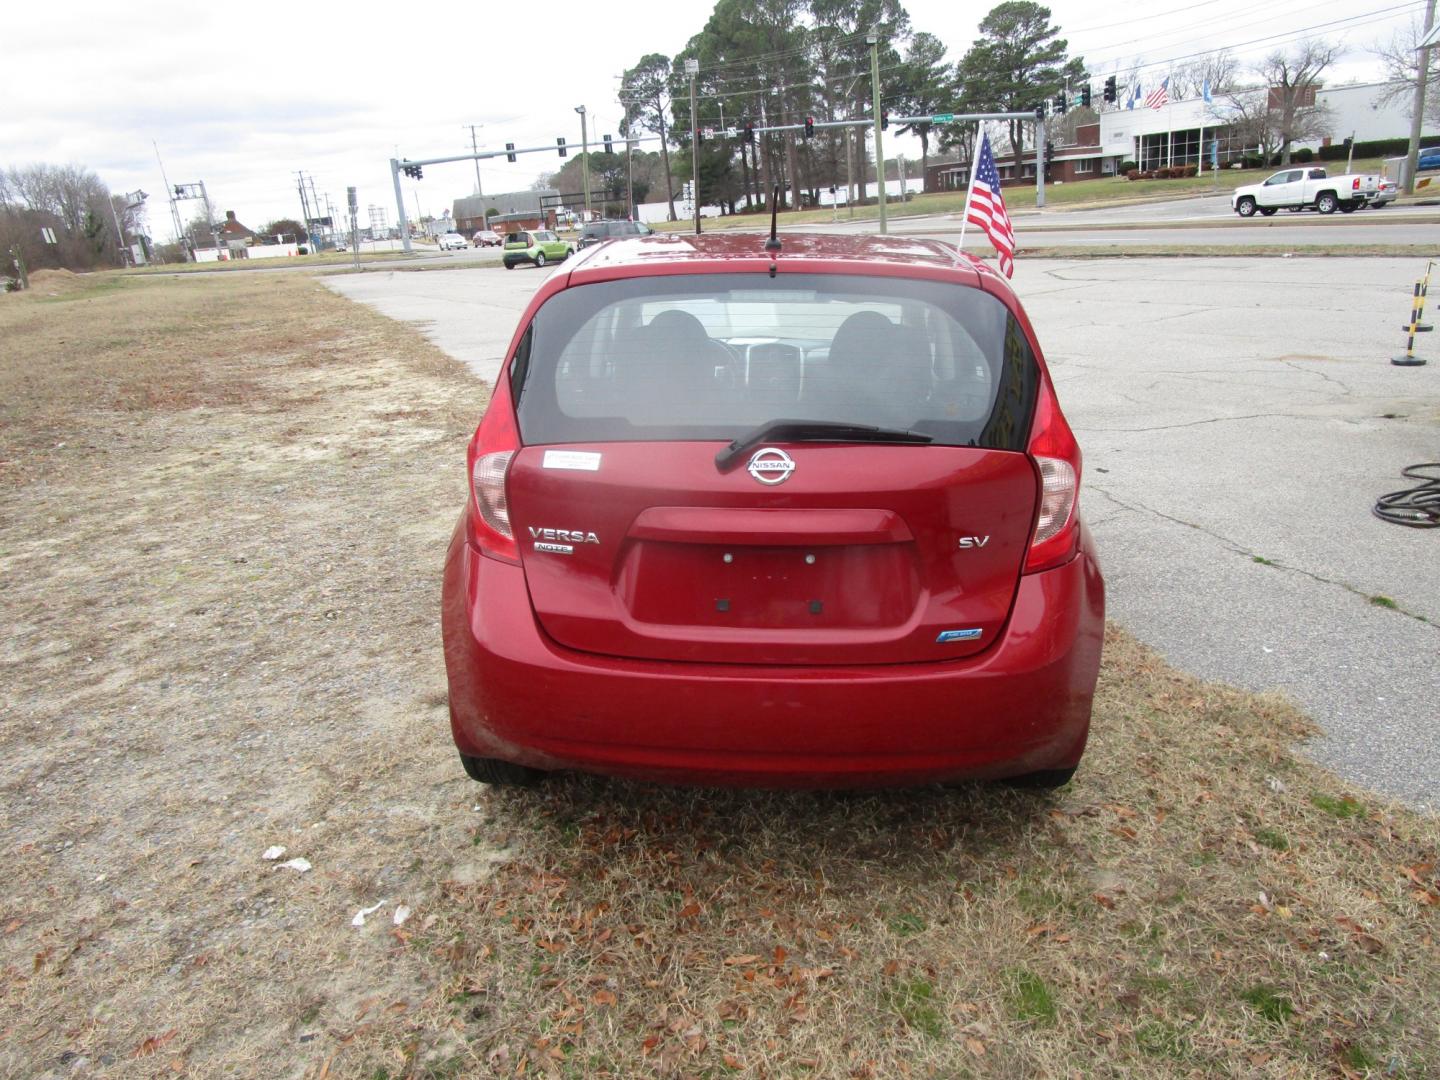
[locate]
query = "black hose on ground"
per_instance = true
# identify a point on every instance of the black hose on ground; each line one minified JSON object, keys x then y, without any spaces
{"x":1418,"y":507}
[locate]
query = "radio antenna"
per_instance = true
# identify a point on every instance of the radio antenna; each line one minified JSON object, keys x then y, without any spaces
{"x":773,"y":244}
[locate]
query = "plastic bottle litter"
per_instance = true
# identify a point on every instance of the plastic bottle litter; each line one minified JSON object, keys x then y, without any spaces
{"x":273,"y":853}
{"x":301,"y":865}
{"x":401,"y":914}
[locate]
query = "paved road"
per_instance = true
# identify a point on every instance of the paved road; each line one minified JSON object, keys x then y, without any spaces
{"x":1230,"y":411}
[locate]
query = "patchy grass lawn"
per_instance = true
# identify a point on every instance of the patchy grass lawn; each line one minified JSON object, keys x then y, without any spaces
{"x":223,"y":508}
{"x":1085,"y":194}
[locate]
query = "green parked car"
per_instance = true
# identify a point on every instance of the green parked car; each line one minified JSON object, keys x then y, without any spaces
{"x":538,"y":247}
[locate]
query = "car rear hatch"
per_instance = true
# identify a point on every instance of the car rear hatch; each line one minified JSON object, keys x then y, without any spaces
{"x":824,"y":543}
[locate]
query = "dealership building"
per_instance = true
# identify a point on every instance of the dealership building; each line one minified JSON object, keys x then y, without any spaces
{"x":1177,"y":133}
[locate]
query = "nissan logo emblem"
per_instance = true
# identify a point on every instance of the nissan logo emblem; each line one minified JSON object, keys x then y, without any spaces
{"x":770,"y":466}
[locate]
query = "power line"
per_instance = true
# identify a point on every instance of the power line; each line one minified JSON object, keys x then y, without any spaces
{"x":1382,"y":15}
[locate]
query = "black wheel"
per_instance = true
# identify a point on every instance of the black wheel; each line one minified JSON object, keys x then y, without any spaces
{"x":1326,"y":202}
{"x":1042,"y":780}
{"x":509,"y":266}
{"x":1350,"y":207}
{"x":1268,"y":211}
{"x":1245,"y":207}
{"x":540,"y":258}
{"x":500,"y":773}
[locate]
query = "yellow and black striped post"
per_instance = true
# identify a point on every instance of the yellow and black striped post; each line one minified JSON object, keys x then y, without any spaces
{"x":1410,"y":359}
{"x":1422,"y":327}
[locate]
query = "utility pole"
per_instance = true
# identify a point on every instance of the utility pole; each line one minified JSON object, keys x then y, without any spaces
{"x":630,"y":214}
{"x":210,"y":219}
{"x":174,"y":213}
{"x":692,"y":68}
{"x":1417,"y":117}
{"x":304,"y":206}
{"x":475,"y":149}
{"x":873,"y":40}
{"x":354,"y":202}
{"x":849,"y":173}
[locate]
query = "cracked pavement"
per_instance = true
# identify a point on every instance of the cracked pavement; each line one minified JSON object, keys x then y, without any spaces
{"x":1238,"y":418}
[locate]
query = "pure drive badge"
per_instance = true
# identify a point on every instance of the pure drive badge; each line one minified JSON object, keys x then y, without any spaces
{"x":947,"y":636}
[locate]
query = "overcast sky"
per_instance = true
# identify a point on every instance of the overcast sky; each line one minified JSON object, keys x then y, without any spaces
{"x":228,"y":97}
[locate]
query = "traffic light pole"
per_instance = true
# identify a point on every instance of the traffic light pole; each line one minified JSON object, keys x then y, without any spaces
{"x":1039,"y":162}
{"x":400,"y":205}
{"x":396,"y":164}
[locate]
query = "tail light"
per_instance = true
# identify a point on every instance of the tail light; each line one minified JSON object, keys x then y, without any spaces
{"x":489,"y":458}
{"x":1057,"y":459}
{"x":1355,"y":184}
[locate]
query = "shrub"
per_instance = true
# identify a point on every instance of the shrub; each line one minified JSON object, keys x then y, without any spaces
{"x":1253,"y":161}
{"x":1131,"y":173}
{"x":1375,"y":148}
{"x":1303,"y":156}
{"x":1190,"y":170}
{"x":1127,"y":167}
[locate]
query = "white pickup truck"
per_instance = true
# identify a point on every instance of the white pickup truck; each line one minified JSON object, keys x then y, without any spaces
{"x":1301,"y":188}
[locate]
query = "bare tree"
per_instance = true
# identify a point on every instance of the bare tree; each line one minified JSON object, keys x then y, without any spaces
{"x":1294,"y":79}
{"x":1219,"y":70}
{"x":1251,"y":120}
{"x":1401,"y":60}
{"x":645,"y":93}
{"x":69,"y":200}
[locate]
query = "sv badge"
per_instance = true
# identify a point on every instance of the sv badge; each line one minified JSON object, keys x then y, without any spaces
{"x":967,"y":542}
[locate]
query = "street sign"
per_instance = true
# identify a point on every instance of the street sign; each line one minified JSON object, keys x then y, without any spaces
{"x":708,"y":132}
{"x":942,"y":118}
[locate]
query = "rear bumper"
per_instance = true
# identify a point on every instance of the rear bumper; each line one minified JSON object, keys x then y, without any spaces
{"x":1022,"y":705}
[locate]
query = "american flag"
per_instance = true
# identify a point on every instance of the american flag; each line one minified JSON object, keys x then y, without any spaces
{"x":985,"y":206}
{"x":1160,"y":95}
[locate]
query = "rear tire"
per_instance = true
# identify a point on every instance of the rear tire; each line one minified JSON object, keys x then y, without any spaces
{"x":1268,"y":211}
{"x":1326,"y":202}
{"x":1350,"y":207}
{"x":1041,"y":780}
{"x":540,"y":258}
{"x":500,"y":773}
{"x":509,"y":266}
{"x":1245,"y":207}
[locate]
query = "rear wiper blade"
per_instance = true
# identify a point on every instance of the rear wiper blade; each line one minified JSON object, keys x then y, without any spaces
{"x":815,"y":431}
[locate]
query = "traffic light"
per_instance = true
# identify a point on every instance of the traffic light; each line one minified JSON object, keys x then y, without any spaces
{"x":1049,"y":155}
{"x":412,"y":171}
{"x":884,"y":119}
{"x":1112,"y":93}
{"x":809,"y":127}
{"x":609,"y":146}
{"x":1085,"y":95}
{"x":509,"y":151}
{"x":1039,"y":112}
{"x":560,"y":145}
{"x":749,"y":133}
{"x":1060,"y":103}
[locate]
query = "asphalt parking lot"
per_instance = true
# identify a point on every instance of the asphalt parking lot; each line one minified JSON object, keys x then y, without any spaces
{"x":1238,"y":418}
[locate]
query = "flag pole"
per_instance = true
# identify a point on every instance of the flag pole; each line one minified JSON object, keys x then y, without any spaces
{"x":970,"y":183}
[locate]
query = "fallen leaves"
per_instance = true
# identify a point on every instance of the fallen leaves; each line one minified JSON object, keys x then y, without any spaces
{"x":155,"y":1042}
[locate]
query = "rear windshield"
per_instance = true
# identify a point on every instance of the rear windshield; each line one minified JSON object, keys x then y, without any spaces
{"x":518,"y":238}
{"x":712,"y":356}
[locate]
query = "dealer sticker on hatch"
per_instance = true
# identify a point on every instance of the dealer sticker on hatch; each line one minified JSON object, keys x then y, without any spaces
{"x":579,"y":460}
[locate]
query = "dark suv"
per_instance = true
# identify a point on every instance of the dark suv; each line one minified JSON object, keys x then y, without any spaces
{"x":597,"y":232}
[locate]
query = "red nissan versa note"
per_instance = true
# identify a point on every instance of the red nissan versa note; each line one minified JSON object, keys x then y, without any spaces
{"x":795,"y":519}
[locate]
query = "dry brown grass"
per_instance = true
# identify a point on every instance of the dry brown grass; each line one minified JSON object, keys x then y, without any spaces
{"x":224,"y":513}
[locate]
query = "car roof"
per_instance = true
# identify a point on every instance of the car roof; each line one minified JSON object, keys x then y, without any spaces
{"x":662,"y":253}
